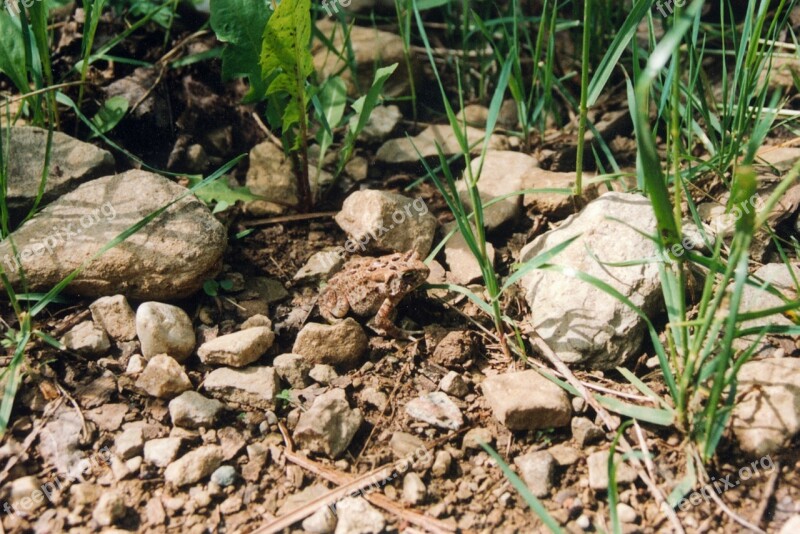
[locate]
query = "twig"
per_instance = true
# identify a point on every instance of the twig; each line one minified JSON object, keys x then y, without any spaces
{"x":769,"y":489}
{"x":289,"y":218}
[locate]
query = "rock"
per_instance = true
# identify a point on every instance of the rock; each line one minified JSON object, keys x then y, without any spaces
{"x":329,"y":425}
{"x":357,"y":168}
{"x":475,"y":436}
{"x":357,"y":516}
{"x":86,"y":338}
{"x":25,"y":494}
{"x":525,"y":400}
{"x":442,"y":463}
{"x":464,"y":268}
{"x":782,"y":158}
{"x":405,"y":445}
{"x":162,"y":451}
{"x":271,"y":176}
{"x":782,"y":74}
{"x":253,"y":386}
{"x":370,"y":48}
{"x":60,"y":441}
{"x":343,"y":343}
{"x":163,"y":378}
{"x":584,"y":432}
{"x":792,"y":525}
{"x":766,"y":415}
{"x":237,"y":349}
{"x":374,"y":397}
{"x":582,"y":324}
{"x":477,"y":115}
{"x":598,"y":470}
{"x":194,"y":466}
{"x":554,"y":204}
{"x":323,"y":521}
{"x":224,"y":476}
{"x":323,"y":374}
{"x":454,"y":385}
{"x":116,"y":317}
{"x":414,"y":490}
{"x":129,"y":443}
{"x":380,"y":221}
{"x":454,"y":349}
{"x":256,"y":321}
{"x":135,"y":365}
{"x":192,"y":410}
{"x":626,"y":514}
{"x":501,"y":174}
{"x":321,"y":265}
{"x":404,"y":150}
{"x":756,"y":299}
{"x":164,"y":329}
{"x":537,"y":470}
{"x":564,"y":455}
{"x":293,"y":368}
{"x":72,"y":163}
{"x":169,"y":258}
{"x":436,"y":409}
{"x":381,"y":123}
{"x":110,"y":509}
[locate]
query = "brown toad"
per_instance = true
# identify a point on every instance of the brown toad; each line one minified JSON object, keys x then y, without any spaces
{"x":373,"y":286}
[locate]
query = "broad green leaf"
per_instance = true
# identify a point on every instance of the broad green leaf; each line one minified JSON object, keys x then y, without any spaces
{"x":240,"y":24}
{"x":219,"y":191}
{"x":12,"y":52}
{"x":108,"y":116}
{"x":332,"y":101}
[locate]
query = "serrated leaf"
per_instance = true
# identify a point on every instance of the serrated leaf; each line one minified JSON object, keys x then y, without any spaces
{"x":113,"y":111}
{"x":240,"y":24}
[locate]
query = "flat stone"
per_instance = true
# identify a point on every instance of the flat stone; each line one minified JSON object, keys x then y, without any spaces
{"x":384,"y":222}
{"x":192,"y":410}
{"x":72,"y":162}
{"x":476,"y":436}
{"x":168,"y":259}
{"x":598,"y":470}
{"x":329,"y":425}
{"x":194,"y":466}
{"x":525,"y":400}
{"x":585,"y":325}
{"x":86,"y":338}
{"x":584,"y":432}
{"x":464,"y":267}
{"x":436,"y":409}
{"x":537,"y":470}
{"x":162,"y":451}
{"x":553,"y":197}
{"x":405,"y":445}
{"x":164,"y":329}
{"x":163,"y":378}
{"x":116,"y":317}
{"x":237,"y":349}
{"x":766,"y":415}
{"x":343,"y":343}
{"x":321,"y":265}
{"x":253,"y":386}
{"x":403,"y":150}
{"x":129,"y":443}
{"x":293,"y":368}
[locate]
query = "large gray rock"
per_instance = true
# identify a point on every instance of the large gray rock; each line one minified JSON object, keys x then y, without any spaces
{"x":169,"y":258}
{"x":329,"y":425}
{"x":582,"y":324}
{"x":72,"y":163}
{"x":525,"y":400}
{"x":379,"y":221}
{"x":767,"y":413}
{"x":405,"y":150}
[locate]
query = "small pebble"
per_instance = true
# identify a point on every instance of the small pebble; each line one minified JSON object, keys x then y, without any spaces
{"x":224,"y":476}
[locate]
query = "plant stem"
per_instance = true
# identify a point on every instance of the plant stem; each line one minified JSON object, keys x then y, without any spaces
{"x":587,"y":12}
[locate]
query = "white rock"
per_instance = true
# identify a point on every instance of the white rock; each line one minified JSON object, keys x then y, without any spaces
{"x":110,"y":509}
{"x":357,"y":516}
{"x":163,"y":378}
{"x":136,"y":365}
{"x":192,"y":410}
{"x":380,"y":221}
{"x":537,"y":470}
{"x":792,"y":525}
{"x":26,"y":495}
{"x":194,"y":466}
{"x":323,"y":374}
{"x":626,"y":514}
{"x":436,"y":409}
{"x":414,"y":490}
{"x":164,"y":329}
{"x":582,"y":324}
{"x":766,"y":415}
{"x":116,"y":317}
{"x":162,"y":451}
{"x":237,"y":349}
{"x":454,"y":385}
{"x":129,"y":443}
{"x":598,"y":470}
{"x":86,"y":338}
{"x":329,"y":425}
{"x":525,"y":400}
{"x":323,"y":521}
{"x":381,"y":123}
{"x":253,"y":386}
{"x":553,"y":204}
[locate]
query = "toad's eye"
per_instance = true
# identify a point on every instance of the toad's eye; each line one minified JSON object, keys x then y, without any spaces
{"x":409,"y":275}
